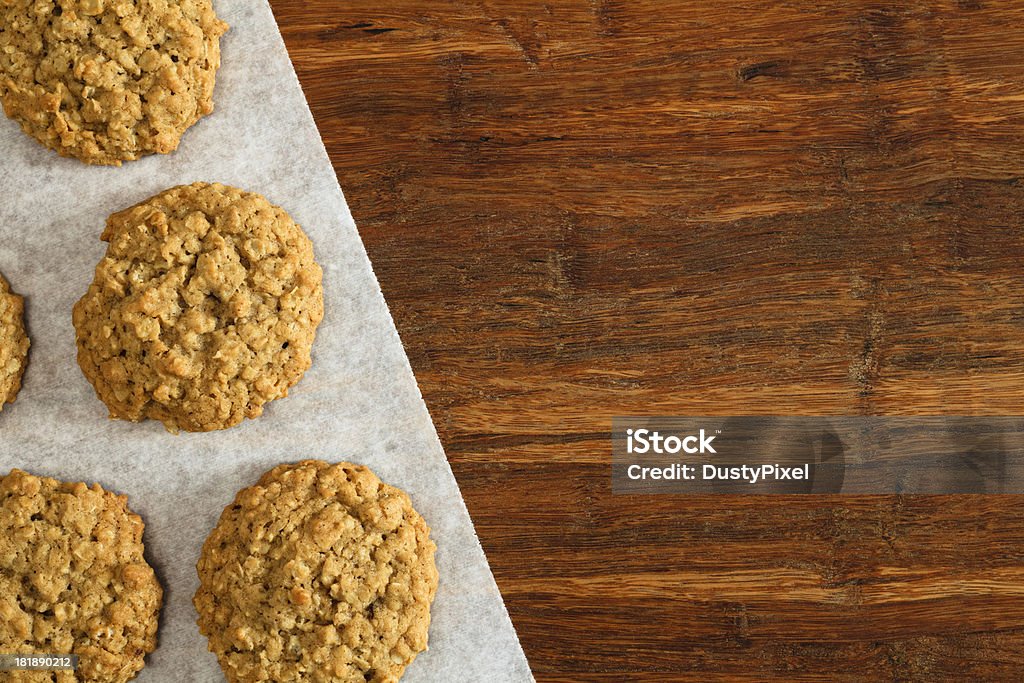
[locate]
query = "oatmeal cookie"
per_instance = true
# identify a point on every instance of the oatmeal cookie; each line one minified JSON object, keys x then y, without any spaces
{"x":317,"y":573}
{"x":73,"y":579}
{"x":108,"y":81}
{"x":13,"y":343}
{"x":203,"y":310}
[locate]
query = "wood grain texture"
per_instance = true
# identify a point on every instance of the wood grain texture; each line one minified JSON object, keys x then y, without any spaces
{"x":591,"y":208}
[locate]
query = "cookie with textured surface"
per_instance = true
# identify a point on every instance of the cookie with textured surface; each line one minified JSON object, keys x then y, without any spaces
{"x":73,"y":579}
{"x":320,"y":573}
{"x":107,"y":81}
{"x":203,"y":310}
{"x":14,"y":343}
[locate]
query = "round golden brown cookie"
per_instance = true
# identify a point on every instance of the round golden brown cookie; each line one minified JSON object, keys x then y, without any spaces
{"x":203,"y":310}
{"x":73,"y":579}
{"x":317,"y":573}
{"x":13,"y":343}
{"x":108,"y":81}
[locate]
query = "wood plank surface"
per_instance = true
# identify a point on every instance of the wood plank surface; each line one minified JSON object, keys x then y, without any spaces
{"x":588,"y":208}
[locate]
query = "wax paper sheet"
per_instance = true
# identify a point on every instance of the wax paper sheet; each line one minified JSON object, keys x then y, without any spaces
{"x":359,"y":401}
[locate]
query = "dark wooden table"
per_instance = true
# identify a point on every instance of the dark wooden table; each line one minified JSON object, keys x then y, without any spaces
{"x":592,"y":208}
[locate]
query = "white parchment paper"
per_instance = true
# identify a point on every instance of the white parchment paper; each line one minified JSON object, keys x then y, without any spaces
{"x":359,"y":402}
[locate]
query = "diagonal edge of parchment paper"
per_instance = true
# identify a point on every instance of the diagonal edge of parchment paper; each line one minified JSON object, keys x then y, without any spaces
{"x":358,"y":402}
